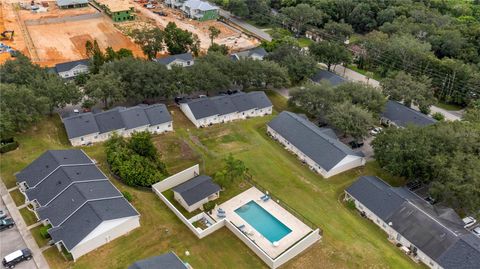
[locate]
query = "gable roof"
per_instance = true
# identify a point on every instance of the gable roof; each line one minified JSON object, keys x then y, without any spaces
{"x":201,"y":5}
{"x":310,"y":139}
{"x":48,"y":162}
{"x":74,"y":198}
{"x":67,"y":66}
{"x":172,"y":58}
{"x":259,"y":99}
{"x":166,"y":261}
{"x":224,"y":104}
{"x":242,"y":101}
{"x":116,"y":119}
{"x":60,"y":179}
{"x":258,"y":51}
{"x":332,"y":78}
{"x":88,"y":217}
{"x":403,"y":116}
{"x":158,"y":114}
{"x":438,"y":232}
{"x":197,"y":189}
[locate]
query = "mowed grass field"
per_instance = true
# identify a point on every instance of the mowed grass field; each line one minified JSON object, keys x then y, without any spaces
{"x":349,"y":241}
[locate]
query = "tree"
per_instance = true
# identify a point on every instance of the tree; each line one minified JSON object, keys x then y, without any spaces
{"x":338,"y":31}
{"x":222,"y":49}
{"x":299,"y":65}
{"x":315,"y":99}
{"x":105,"y":87}
{"x":180,"y":41}
{"x":362,"y":95}
{"x":141,"y":143}
{"x":213,"y":32}
{"x":238,"y":8}
{"x":472,"y":115}
{"x":97,"y":58}
{"x":350,"y":119}
{"x":250,"y":73}
{"x":232,"y":171}
{"x":111,"y":54}
{"x":405,"y":88}
{"x":150,"y":40}
{"x":300,"y":15}
{"x":330,"y":53}
{"x":56,"y":91}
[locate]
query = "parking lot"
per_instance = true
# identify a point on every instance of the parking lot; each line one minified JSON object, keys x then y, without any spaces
{"x":11,"y":240}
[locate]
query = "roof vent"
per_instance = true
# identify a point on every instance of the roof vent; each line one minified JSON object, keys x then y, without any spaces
{"x":46,"y":166}
{"x":78,"y":173}
{"x":59,"y":182}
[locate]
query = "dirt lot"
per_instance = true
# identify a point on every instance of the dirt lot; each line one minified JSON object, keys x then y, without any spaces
{"x":54,"y":12}
{"x":66,"y":41}
{"x":229,"y":36}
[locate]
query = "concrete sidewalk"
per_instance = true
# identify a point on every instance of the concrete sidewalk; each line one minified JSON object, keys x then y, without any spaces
{"x":38,"y":258}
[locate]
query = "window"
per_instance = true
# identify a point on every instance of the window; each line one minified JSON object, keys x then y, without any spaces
{"x":95,"y":137}
{"x":158,"y":127}
{"x":399,"y":237}
{"x":81,"y":139}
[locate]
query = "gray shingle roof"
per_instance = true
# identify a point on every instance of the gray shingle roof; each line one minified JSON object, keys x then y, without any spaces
{"x":166,"y":261}
{"x":438,"y":232}
{"x":109,"y":120}
{"x":74,"y":196}
{"x":134,"y":117}
{"x":80,"y":125}
{"x":59,"y":180}
{"x":258,"y":51}
{"x":332,"y":78}
{"x":226,"y":104}
{"x":88,"y":217}
{"x":201,"y":5}
{"x":158,"y":114}
{"x":172,"y":58}
{"x":403,"y":116}
{"x":48,"y":162}
{"x":196,"y":189}
{"x":116,"y":119}
{"x":310,"y":139}
{"x":62,"y":67}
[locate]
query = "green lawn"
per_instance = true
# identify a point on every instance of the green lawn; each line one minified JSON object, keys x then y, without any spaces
{"x":373,"y":75}
{"x":304,"y":42}
{"x":17,"y":197}
{"x":28,"y":216}
{"x":349,"y":241}
{"x":448,"y":106}
{"x":38,"y":237}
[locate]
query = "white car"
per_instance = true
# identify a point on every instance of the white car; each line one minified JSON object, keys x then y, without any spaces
{"x":469,"y":221}
{"x":376,"y":131}
{"x":476,"y":231}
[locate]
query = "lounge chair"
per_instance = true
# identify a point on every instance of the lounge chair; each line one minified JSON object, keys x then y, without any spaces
{"x":221,"y":215}
{"x":221,"y":211}
{"x":241,"y":227}
{"x":263,"y":197}
{"x":266,"y":198}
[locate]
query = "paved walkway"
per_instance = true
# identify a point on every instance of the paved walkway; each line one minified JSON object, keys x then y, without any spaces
{"x":40,"y":261}
{"x":246,"y":26}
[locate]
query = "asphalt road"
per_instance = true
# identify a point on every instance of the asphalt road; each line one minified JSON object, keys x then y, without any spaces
{"x":252,"y":29}
{"x":11,"y":240}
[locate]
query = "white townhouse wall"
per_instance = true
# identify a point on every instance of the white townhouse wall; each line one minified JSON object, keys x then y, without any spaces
{"x":228,"y":117}
{"x":161,"y":128}
{"x":246,"y":114}
{"x":129,"y":132}
{"x":197,"y":205}
{"x":318,"y":145}
{"x":86,"y":139}
{"x":104,"y":233}
{"x":263,"y":111}
{"x":79,"y":69}
{"x":180,"y":62}
{"x":198,"y":122}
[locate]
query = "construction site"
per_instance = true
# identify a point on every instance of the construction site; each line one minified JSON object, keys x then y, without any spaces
{"x":49,"y":35}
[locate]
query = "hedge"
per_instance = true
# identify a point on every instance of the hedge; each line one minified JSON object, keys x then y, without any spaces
{"x":8,"y":145}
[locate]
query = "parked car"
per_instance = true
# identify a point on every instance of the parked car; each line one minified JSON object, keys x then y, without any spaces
{"x":6,"y":224}
{"x":469,"y":221}
{"x":16,"y":257}
{"x":476,"y":231}
{"x":376,"y":131}
{"x":431,"y":200}
{"x":355,"y":144}
{"x":3,"y":214}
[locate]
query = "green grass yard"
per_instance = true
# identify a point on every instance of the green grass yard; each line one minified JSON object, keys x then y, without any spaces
{"x":349,"y":241}
{"x":38,"y":237}
{"x":28,"y":216}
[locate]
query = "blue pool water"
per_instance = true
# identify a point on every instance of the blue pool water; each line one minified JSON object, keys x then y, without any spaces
{"x":266,"y":224}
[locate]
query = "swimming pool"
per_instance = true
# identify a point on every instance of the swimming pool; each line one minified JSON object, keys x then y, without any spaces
{"x":266,"y":224}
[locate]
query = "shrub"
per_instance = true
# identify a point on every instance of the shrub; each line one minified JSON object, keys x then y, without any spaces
{"x":44,"y":231}
{"x":8,"y":145}
{"x":438,"y":116}
{"x":127,"y":196}
{"x":209,"y":206}
{"x":350,"y":204}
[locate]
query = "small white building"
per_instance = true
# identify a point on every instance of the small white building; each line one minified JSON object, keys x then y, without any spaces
{"x":203,"y":112}
{"x":87,"y":128}
{"x":317,"y":147}
{"x":71,"y":69}
{"x":194,"y":193}
{"x":183,"y":60}
{"x":430,"y":234}
{"x":70,"y":193}
{"x":257,"y":53}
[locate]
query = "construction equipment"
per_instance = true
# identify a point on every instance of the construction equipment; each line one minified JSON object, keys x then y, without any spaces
{"x":5,"y":35}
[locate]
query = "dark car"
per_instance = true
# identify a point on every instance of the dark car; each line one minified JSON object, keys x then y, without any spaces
{"x":16,"y":257}
{"x":356,"y":144}
{"x":6,"y":224}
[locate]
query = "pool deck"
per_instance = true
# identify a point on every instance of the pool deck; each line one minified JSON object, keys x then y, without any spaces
{"x":299,"y":229}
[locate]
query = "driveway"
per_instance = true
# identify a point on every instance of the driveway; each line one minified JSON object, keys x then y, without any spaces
{"x":11,"y":240}
{"x":19,"y":237}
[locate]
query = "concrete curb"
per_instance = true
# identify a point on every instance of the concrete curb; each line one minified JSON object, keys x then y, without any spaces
{"x":38,"y":258}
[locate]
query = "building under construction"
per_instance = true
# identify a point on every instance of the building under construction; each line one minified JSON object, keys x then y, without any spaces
{"x":118,"y":10}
